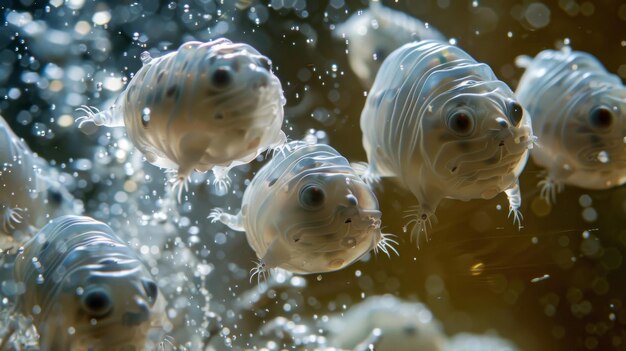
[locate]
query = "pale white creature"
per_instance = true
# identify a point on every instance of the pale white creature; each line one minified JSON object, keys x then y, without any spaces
{"x":381,"y":323}
{"x":307,"y":211}
{"x":478,"y":342}
{"x":206,"y":106}
{"x":446,"y":127}
{"x":372,"y":34}
{"x":30,"y":193}
{"x":388,"y":323}
{"x":85,"y":289}
{"x":579,"y":116}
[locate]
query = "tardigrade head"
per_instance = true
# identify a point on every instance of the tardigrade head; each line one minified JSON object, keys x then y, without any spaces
{"x":327,"y":220}
{"x":85,"y":280}
{"x":594,"y":133}
{"x":240,"y":103}
{"x":113,"y":301}
{"x":239,"y":79}
{"x":206,"y":104}
{"x":478,"y":142}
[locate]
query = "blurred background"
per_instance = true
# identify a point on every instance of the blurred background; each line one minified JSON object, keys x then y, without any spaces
{"x":557,"y":284}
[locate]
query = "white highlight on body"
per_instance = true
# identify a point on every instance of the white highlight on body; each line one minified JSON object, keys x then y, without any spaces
{"x":578,"y":111}
{"x":77,"y":272}
{"x":372,"y":34}
{"x":446,"y":127}
{"x":31,"y":191}
{"x":307,"y":211}
{"x":206,"y":106}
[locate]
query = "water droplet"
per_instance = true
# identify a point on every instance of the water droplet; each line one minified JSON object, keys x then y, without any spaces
{"x":538,"y":15}
{"x":603,"y":157}
{"x":145,"y":115}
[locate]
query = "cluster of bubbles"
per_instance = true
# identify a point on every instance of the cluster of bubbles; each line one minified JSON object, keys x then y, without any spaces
{"x":58,"y":56}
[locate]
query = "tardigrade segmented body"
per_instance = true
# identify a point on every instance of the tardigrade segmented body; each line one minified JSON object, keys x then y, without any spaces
{"x":401,"y":326}
{"x":78,"y":274}
{"x":579,"y":117}
{"x":29,"y":192}
{"x":307,"y":211}
{"x":372,"y":35}
{"x":206,"y":106}
{"x":445,"y":126}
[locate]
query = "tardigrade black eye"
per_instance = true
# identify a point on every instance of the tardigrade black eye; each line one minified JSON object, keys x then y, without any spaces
{"x":461,"y":122}
{"x":55,"y":196}
{"x":152,"y":291}
{"x":601,"y":117}
{"x":222,"y":77}
{"x":312,"y":197}
{"x":97,"y":302}
{"x":516,"y":113}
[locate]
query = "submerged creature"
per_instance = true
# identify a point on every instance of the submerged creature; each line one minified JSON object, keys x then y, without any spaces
{"x":480,"y":342}
{"x":389,"y":323}
{"x":30,"y":193}
{"x":579,"y":116}
{"x":446,"y":127}
{"x":86,"y":289}
{"x":307,"y":211}
{"x":381,"y":323}
{"x":206,"y":106}
{"x":372,"y":35}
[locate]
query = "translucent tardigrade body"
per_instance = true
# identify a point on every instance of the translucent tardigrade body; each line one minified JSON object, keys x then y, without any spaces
{"x":77,"y":273}
{"x":388,"y":323}
{"x":29,"y":191}
{"x":307,"y":211}
{"x":446,"y":127}
{"x":206,"y":106}
{"x":372,"y":34}
{"x":579,"y":112}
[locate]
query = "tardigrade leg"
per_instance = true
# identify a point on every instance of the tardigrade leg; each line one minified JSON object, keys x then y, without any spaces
{"x":11,"y":217}
{"x":277,"y":254}
{"x":552,"y":183}
{"x":549,"y":189}
{"x":422,"y":216}
{"x":222,"y":180}
{"x":111,"y":117}
{"x":515,"y":201}
{"x":367,"y":172}
{"x":234,"y":222}
{"x":281,"y":145}
{"x":178,"y":183}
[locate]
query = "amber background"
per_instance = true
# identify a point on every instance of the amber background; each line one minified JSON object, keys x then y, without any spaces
{"x":573,"y":308}
{"x":475,"y":272}
{"x":580,"y":305}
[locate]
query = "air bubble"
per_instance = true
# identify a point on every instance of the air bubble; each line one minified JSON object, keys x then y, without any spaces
{"x":538,"y":15}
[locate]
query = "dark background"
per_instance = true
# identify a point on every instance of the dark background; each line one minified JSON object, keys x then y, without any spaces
{"x":475,"y":272}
